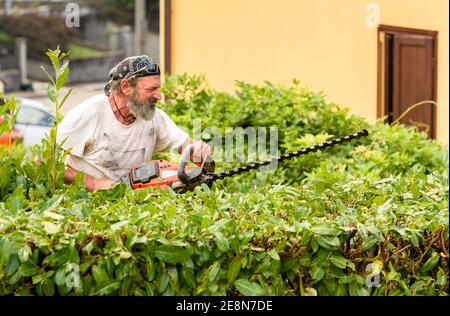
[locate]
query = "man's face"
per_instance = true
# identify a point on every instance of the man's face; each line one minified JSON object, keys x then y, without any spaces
{"x":143,"y":98}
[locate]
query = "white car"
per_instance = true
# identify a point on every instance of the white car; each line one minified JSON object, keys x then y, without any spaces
{"x":33,"y":121}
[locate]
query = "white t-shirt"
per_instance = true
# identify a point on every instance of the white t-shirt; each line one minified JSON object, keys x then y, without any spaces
{"x":102,"y":147}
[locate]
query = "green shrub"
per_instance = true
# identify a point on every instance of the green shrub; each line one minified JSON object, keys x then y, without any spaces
{"x":329,"y":223}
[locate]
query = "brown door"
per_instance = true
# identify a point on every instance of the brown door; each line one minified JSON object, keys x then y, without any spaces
{"x":409,"y":76}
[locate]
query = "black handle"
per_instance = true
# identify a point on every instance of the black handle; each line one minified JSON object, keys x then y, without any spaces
{"x":206,"y":166}
{"x":185,"y":156}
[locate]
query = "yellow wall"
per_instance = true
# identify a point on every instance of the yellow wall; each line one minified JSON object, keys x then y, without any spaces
{"x":325,"y":43}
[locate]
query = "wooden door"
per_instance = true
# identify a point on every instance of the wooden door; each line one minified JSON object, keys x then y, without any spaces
{"x":409,"y":76}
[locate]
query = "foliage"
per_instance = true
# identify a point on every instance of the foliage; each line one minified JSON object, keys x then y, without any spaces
{"x":122,"y":11}
{"x":8,"y":115}
{"x":5,"y":38}
{"x":78,"y":51}
{"x":366,"y":218}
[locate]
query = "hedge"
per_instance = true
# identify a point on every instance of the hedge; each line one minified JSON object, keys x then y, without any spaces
{"x":365,"y":218}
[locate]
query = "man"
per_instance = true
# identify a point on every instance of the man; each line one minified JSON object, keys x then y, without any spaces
{"x":109,"y":133}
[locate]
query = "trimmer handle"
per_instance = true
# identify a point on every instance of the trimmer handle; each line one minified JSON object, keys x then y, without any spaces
{"x":207,"y":164}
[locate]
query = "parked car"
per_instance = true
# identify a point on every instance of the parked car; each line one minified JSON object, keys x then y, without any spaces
{"x":33,"y":121}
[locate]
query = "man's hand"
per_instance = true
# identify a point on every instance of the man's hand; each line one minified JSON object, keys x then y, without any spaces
{"x":99,"y":184}
{"x":200,"y":150}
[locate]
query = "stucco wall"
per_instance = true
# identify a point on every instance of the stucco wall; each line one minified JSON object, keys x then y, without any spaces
{"x":325,"y":43}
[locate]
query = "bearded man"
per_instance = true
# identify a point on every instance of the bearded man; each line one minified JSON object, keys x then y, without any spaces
{"x":107,"y":134}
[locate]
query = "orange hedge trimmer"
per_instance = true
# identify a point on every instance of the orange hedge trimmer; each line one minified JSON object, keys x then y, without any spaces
{"x":182,"y":178}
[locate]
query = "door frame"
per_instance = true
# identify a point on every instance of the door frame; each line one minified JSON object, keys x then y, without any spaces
{"x":384,"y":30}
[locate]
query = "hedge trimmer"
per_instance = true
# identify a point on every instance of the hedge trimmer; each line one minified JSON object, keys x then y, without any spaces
{"x":182,"y":178}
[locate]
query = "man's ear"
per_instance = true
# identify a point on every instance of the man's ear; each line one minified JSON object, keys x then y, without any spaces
{"x":126,"y":88}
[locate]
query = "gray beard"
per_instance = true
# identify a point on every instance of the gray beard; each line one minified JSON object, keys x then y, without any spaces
{"x":144,"y":110}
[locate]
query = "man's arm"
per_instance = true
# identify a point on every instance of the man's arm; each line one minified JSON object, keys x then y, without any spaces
{"x":91,"y":183}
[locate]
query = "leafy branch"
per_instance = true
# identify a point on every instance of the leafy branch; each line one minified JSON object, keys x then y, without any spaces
{"x":61,"y":73}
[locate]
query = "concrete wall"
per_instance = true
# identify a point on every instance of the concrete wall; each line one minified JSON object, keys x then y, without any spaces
{"x":325,"y":43}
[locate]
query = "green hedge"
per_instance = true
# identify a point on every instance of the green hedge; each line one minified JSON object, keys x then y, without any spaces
{"x":371,"y":212}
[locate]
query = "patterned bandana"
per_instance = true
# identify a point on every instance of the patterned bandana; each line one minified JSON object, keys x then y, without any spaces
{"x":129,"y":64}
{"x":126,"y":66}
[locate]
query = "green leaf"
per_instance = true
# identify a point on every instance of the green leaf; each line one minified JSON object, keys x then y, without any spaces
{"x":24,"y":253}
{"x":6,"y":248}
{"x":233,"y":269}
{"x":171,"y":254}
{"x":60,"y":277}
{"x":222,"y":241}
{"x":107,"y":287}
{"x":441,"y":278}
{"x":341,"y":290}
{"x":49,"y":287}
{"x":213,"y":270}
{"x":65,"y":97}
{"x":52,"y":205}
{"x":62,"y":75}
{"x":317,"y":273}
{"x":248,"y":288}
{"x":431,"y":262}
{"x":323,"y":229}
{"x":16,"y":201}
{"x":15,"y":278}
{"x":117,"y":225}
{"x":48,"y":75}
{"x":328,"y":242}
{"x":418,"y":286}
{"x":188,"y":276}
{"x":150,"y":268}
{"x":306,"y":238}
{"x":356,"y":289}
{"x":38,"y":278}
{"x":162,"y":281}
{"x":370,"y":242}
{"x":51,"y":228}
{"x":51,"y":93}
{"x":77,"y":209}
{"x":273,"y":254}
{"x":392,"y":275}
{"x":173,"y":274}
{"x":54,"y":57}
{"x":28,"y":269}
{"x":56,"y":258}
{"x":53,"y":215}
{"x":100,"y":276}
{"x":314,"y":244}
{"x":339,"y":261}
